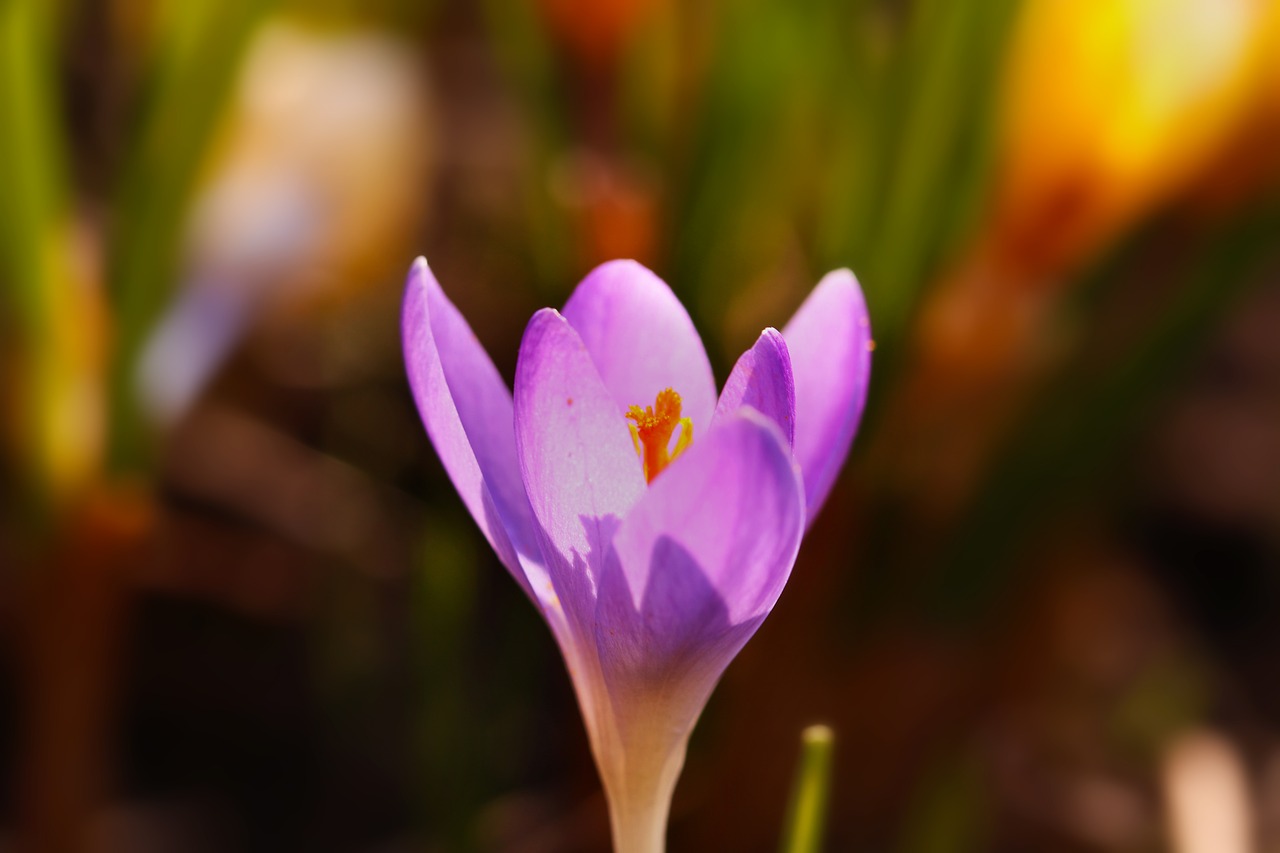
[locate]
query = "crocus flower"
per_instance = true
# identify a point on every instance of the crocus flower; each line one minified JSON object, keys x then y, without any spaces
{"x":652,"y":523}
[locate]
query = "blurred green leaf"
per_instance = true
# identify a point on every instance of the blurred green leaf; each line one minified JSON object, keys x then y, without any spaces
{"x":529,"y":62}
{"x":34,"y":215}
{"x":32,"y":159}
{"x":754,"y":153}
{"x":197,"y":55}
{"x":937,"y":102}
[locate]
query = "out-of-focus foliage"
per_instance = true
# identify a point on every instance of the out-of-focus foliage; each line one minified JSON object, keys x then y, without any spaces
{"x":234,"y":582}
{"x":56,"y":344}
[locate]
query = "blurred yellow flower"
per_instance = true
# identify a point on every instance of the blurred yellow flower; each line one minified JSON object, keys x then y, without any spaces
{"x":1109,"y":108}
{"x":1250,"y":162}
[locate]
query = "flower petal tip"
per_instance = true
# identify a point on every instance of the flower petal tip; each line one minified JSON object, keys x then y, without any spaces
{"x":420,"y":274}
{"x":418,"y":283}
{"x":622,"y":266}
{"x":844,"y":279}
{"x":642,"y":339}
{"x":830,"y":344}
{"x":467,"y":411}
{"x":762,"y":379}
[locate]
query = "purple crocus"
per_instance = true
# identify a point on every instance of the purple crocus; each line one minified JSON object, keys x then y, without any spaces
{"x":651,"y":522}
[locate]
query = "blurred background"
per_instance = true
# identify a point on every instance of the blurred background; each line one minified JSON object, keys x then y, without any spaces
{"x":241,"y":607}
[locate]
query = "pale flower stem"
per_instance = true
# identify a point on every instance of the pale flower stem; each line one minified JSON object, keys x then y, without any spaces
{"x":640,"y":830}
{"x":640,"y":796}
{"x":639,"y":768}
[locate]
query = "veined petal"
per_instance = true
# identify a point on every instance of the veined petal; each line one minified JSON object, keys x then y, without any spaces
{"x":693,"y":571}
{"x":580,"y":469}
{"x":762,"y":380}
{"x":829,"y":339}
{"x":642,"y":340}
{"x":467,"y":411}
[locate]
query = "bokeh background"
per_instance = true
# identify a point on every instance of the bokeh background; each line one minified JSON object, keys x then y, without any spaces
{"x":241,"y":607}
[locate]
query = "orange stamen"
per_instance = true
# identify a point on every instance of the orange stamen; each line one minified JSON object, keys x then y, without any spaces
{"x":652,"y":429}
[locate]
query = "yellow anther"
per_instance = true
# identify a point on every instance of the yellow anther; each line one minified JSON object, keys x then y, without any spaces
{"x":652,"y":429}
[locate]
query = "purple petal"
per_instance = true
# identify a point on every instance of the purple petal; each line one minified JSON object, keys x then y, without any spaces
{"x":580,"y":469}
{"x":762,"y":380}
{"x":829,"y":339}
{"x":642,"y":340}
{"x":467,"y":411}
{"x":197,"y":334}
{"x":695,"y":568}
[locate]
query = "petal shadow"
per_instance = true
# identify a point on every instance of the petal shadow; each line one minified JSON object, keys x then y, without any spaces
{"x":661,"y":660}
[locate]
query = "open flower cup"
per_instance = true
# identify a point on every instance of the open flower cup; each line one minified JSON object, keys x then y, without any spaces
{"x":652,"y":522}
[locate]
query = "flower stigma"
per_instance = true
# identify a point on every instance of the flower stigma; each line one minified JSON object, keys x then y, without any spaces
{"x":651,"y":432}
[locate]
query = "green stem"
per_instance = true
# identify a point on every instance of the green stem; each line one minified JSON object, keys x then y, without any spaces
{"x":806,"y":814}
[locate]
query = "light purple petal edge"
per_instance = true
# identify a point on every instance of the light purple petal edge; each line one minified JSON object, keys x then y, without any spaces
{"x":467,"y":411}
{"x":580,"y":470}
{"x":830,"y":342}
{"x":762,"y":379}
